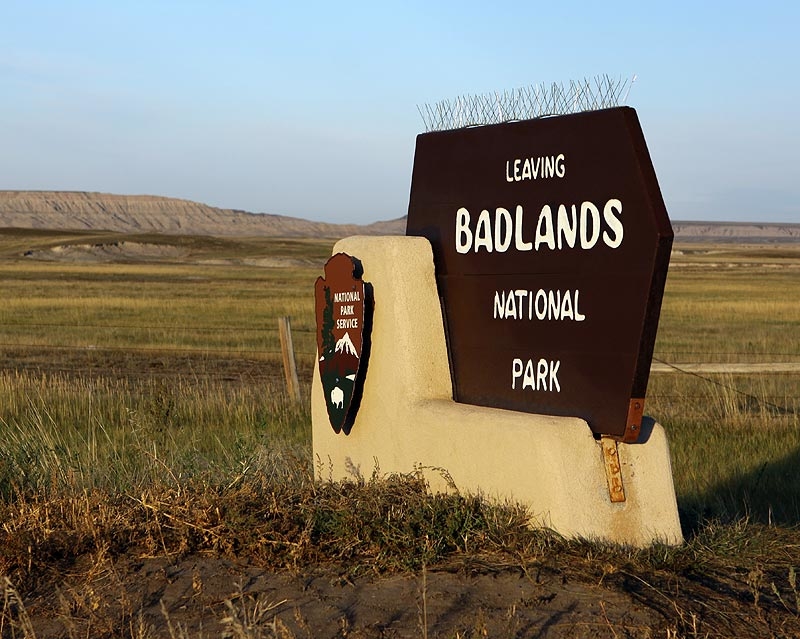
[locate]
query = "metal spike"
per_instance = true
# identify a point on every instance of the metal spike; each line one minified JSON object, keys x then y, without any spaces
{"x":525,"y":103}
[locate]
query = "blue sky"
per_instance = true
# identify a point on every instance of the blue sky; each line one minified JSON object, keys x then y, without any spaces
{"x":310,"y":109}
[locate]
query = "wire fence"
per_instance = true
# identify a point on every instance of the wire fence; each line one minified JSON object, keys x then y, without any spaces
{"x":667,"y":357}
{"x":252,"y":345}
{"x":258,"y":353}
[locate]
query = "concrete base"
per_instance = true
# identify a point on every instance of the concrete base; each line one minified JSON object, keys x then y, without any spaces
{"x":409,"y":420}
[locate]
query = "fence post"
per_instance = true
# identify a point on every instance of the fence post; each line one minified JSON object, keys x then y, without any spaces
{"x":289,"y":363}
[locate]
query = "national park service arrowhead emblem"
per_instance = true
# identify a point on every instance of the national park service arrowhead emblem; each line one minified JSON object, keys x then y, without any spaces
{"x":342,"y":338}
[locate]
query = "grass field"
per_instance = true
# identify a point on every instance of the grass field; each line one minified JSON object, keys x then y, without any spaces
{"x":106,"y":361}
{"x":735,"y":439}
{"x":151,"y":374}
{"x":187,"y":346}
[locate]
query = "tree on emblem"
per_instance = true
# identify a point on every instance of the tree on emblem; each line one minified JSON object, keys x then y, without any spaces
{"x":328,"y":341}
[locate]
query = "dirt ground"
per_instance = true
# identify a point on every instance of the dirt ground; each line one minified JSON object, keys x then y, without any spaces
{"x":211,"y":597}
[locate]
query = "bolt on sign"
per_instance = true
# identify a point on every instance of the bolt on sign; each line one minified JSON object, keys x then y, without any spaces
{"x":342,"y":314}
{"x":551,"y":243}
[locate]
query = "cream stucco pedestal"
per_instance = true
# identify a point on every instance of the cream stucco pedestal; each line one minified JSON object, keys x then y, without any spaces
{"x":408,"y":419}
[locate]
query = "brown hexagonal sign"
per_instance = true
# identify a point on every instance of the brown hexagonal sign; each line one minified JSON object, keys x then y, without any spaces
{"x":551,"y":243}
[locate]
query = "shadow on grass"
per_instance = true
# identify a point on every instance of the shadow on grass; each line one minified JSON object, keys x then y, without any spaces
{"x":769,"y":494}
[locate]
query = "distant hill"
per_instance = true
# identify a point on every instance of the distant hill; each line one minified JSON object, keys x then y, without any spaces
{"x":78,"y":210}
{"x":753,"y":232}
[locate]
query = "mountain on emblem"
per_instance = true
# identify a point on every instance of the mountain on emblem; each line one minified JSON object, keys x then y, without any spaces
{"x":342,"y":333}
{"x":345,"y":345}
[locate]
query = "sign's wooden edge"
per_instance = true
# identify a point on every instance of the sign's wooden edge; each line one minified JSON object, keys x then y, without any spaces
{"x":659,"y":271}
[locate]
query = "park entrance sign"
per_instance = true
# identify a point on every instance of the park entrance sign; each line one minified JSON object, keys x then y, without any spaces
{"x":521,"y":306}
{"x":551,"y":243}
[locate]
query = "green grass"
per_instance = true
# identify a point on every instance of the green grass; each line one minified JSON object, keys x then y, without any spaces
{"x":735,"y":444}
{"x":109,"y":366}
{"x":65,"y":434}
{"x":107,"y":363}
{"x":734,"y":439}
{"x":143,"y":411}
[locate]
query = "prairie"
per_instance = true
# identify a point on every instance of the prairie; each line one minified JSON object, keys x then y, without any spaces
{"x":145,"y":426}
{"x":733,"y":437}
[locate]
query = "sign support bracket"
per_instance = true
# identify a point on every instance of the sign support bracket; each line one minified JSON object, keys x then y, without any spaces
{"x":616,"y":489}
{"x":633,"y":425}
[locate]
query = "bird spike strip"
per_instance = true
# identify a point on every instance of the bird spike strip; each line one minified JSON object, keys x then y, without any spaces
{"x":526,"y":103}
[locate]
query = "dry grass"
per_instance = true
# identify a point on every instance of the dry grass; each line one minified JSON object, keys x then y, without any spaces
{"x":211,"y":300}
{"x":728,"y":580}
{"x":713,"y":312}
